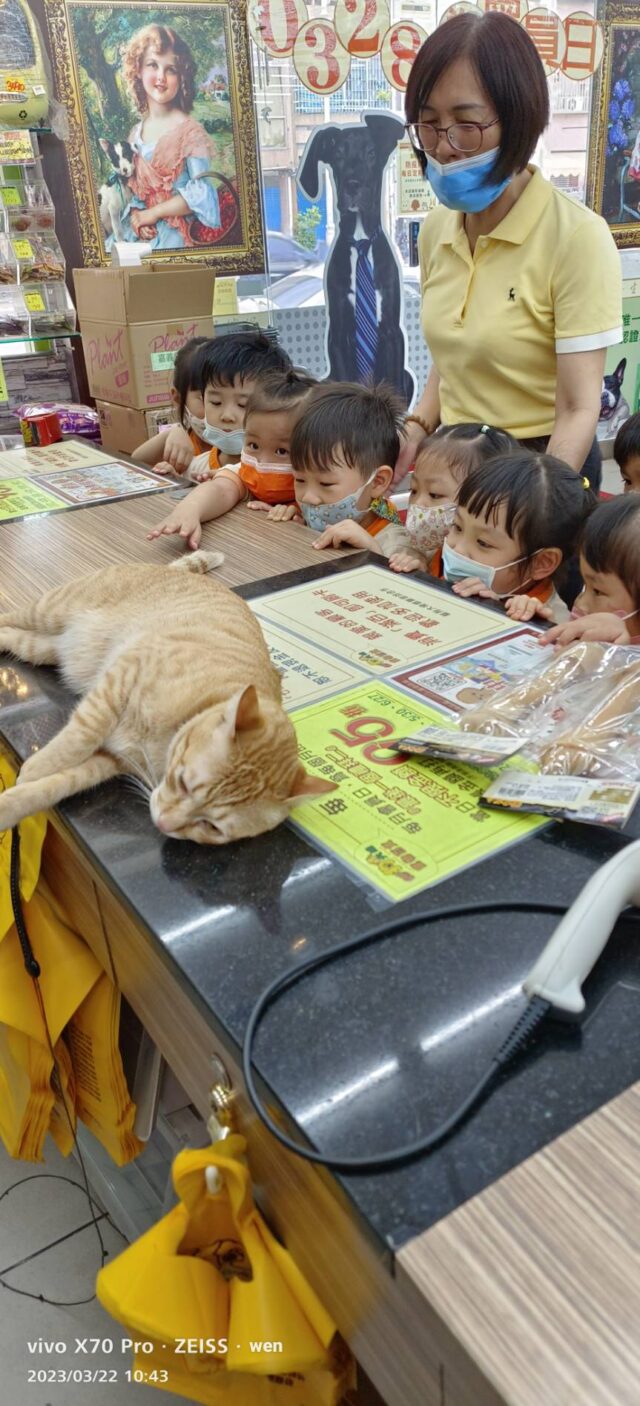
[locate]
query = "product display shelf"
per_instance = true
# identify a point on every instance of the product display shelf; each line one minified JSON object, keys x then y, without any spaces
{"x":35,"y":304}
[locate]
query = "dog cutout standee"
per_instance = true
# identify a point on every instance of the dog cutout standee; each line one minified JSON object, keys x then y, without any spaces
{"x":363,"y":288}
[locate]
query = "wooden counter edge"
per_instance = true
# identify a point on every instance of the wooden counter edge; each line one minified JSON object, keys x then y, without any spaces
{"x":538,"y":1277}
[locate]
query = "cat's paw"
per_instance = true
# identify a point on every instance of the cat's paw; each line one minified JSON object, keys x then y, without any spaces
{"x":10,"y":809}
{"x":200,"y":562}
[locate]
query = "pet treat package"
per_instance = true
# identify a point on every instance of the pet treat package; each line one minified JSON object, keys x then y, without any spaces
{"x":576,"y":715}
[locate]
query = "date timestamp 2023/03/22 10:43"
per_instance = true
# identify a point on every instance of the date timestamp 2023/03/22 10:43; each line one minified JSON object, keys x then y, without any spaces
{"x":142,"y":1351}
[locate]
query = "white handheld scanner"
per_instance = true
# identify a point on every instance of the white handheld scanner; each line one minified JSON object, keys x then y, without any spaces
{"x":582,"y":935}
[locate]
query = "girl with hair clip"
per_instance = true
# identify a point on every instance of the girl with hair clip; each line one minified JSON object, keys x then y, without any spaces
{"x":173,"y":153}
{"x":517,"y":522}
{"x":442,"y":463}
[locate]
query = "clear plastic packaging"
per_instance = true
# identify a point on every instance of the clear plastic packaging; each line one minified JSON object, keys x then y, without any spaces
{"x":27,"y":207}
{"x":14,"y":314}
{"x":578,"y":714}
{"x":74,"y":419}
{"x":40,"y":258}
{"x":8,"y":261}
{"x":51,"y":309}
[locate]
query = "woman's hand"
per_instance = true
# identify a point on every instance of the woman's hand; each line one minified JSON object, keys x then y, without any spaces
{"x":408,"y":561}
{"x":143,"y":227}
{"x":602,"y":627}
{"x":412,"y":436}
{"x":526,"y":607}
{"x":184,"y":522}
{"x":346,"y":534}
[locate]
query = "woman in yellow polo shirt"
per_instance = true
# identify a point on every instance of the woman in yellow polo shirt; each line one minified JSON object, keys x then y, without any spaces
{"x":521,"y":285}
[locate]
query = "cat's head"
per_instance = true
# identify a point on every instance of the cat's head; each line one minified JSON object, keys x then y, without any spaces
{"x":232,"y":772}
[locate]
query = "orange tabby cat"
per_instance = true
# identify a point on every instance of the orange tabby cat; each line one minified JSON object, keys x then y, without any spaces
{"x":179,"y":691}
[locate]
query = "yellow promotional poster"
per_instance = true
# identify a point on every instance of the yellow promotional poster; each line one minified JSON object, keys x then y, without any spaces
{"x":399,"y":823}
{"x":212,"y":1272}
{"x":307,"y":673}
{"x":415,"y":196}
{"x":20,"y":498}
{"x":378,"y":621}
{"x":32,"y":833}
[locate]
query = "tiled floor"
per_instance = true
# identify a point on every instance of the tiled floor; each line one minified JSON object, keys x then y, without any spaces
{"x":47,"y":1247}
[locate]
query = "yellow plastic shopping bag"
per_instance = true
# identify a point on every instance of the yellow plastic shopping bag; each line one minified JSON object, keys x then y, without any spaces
{"x":211,"y":1275}
{"x":103,"y":1101}
{"x":32,"y":833}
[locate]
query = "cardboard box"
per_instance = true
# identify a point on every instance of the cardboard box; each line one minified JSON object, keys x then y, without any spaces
{"x":123,"y":429}
{"x":129,"y":349}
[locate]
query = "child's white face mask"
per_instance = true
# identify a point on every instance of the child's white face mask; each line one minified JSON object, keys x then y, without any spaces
{"x":428,"y":527}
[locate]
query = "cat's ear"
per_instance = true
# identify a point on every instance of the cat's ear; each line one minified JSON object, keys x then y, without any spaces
{"x":306,"y":786}
{"x":242,"y":712}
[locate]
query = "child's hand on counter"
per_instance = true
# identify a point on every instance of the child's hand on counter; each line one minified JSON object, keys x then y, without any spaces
{"x":282,"y":512}
{"x":473,"y":586}
{"x":178,"y":449}
{"x":346,"y":534}
{"x":184,"y":522}
{"x":408,"y":561}
{"x":602,"y":627}
{"x":523,"y":608}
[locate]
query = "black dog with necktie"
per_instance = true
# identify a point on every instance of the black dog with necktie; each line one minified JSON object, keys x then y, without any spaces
{"x":365,"y":340}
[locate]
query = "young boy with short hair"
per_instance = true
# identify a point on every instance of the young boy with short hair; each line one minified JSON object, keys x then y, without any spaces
{"x":344,"y":447}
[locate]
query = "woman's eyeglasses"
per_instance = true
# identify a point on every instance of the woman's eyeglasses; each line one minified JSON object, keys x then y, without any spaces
{"x":462,"y":136}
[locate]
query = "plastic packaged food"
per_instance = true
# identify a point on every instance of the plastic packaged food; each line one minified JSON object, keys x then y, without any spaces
{"x":8,"y":261}
{"x":14,"y":314}
{"x":74,"y":419}
{"x":40,"y":258}
{"x":51,"y":309}
{"x":578,"y":715}
{"x":27,"y":206}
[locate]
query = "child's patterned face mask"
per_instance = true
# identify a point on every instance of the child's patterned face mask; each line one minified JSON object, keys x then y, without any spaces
{"x":428,"y":527}
{"x":321,"y":515}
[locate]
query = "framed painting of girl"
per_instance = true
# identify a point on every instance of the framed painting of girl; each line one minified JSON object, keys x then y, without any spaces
{"x":613,"y":181}
{"x":162,"y":146}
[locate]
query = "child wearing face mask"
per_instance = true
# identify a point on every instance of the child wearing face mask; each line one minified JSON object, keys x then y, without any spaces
{"x":443,"y":460}
{"x":173,"y":450}
{"x":518,"y":519}
{"x":343,"y":450}
{"x":608,"y":607}
{"x":263,"y":476}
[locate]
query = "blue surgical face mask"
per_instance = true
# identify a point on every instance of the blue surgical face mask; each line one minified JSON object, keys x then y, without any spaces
{"x":459,"y":568}
{"x":195,"y":423}
{"x":321,"y":515}
{"x":227,"y":441}
{"x":466,"y":184}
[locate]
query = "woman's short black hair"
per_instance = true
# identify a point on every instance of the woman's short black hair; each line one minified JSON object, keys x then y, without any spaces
{"x":627,"y":441}
{"x":183,"y":371}
{"x":244,"y":354}
{"x":508,"y":67}
{"x":360,"y":422}
{"x":547,"y":502}
{"x":611,"y":541}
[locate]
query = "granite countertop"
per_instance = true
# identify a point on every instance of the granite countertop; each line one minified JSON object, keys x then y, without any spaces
{"x":374,"y":1050}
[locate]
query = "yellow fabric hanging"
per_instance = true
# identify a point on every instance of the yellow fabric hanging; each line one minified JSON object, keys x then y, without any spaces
{"x":102,"y":1097}
{"x":211,"y":1270}
{"x":79,"y":999}
{"x":32,"y":833}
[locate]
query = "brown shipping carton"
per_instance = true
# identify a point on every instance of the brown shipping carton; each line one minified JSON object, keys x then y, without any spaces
{"x":129,"y":351}
{"x":124,"y":429}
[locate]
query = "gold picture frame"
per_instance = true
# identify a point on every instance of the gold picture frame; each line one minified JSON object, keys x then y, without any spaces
{"x":613,"y":190}
{"x":159,"y":101}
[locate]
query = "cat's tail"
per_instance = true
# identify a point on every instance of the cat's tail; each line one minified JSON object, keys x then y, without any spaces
{"x":200,"y":562}
{"x":33,"y":796}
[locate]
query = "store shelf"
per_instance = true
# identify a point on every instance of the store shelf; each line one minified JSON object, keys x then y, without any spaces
{"x":39,"y":337}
